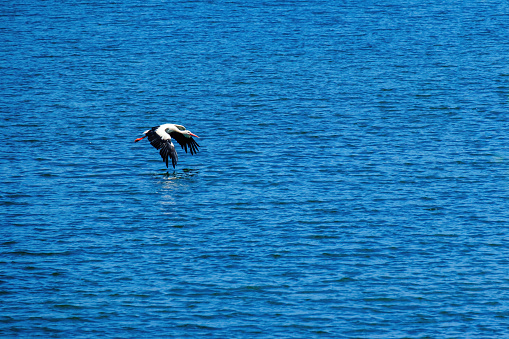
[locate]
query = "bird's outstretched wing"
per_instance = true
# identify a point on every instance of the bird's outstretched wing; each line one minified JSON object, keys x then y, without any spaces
{"x":185,"y":142}
{"x":165,"y":147}
{"x":168,"y":150}
{"x":154,"y":138}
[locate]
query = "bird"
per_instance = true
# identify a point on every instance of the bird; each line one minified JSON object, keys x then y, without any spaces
{"x":160,"y":137}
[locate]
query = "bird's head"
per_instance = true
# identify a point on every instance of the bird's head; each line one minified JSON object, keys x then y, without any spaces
{"x":185,"y":132}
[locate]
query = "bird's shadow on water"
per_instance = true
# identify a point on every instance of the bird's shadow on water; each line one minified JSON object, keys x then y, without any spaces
{"x":185,"y":173}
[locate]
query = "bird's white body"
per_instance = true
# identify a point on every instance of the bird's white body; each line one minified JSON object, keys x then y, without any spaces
{"x":163,"y":130}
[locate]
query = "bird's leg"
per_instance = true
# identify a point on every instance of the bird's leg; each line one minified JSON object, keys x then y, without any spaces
{"x":140,"y":139}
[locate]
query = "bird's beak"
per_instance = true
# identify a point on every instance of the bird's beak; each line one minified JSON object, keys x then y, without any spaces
{"x":194,"y":135}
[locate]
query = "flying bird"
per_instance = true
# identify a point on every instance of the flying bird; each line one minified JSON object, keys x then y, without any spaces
{"x":160,"y":137}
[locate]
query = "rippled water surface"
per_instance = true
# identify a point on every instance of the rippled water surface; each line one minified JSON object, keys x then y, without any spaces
{"x":352,"y":180}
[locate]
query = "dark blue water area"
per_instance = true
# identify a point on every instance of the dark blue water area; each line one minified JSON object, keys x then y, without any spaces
{"x":352,"y":179}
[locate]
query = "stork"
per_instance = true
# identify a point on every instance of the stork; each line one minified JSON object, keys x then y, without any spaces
{"x":160,"y":137}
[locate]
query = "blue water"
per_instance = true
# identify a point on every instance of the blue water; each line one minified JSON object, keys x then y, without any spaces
{"x":352,"y":180}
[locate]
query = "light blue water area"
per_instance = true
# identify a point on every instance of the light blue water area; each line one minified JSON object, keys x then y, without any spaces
{"x":352,"y":179}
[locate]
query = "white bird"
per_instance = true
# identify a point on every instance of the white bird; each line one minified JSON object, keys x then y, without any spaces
{"x":160,"y":137}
